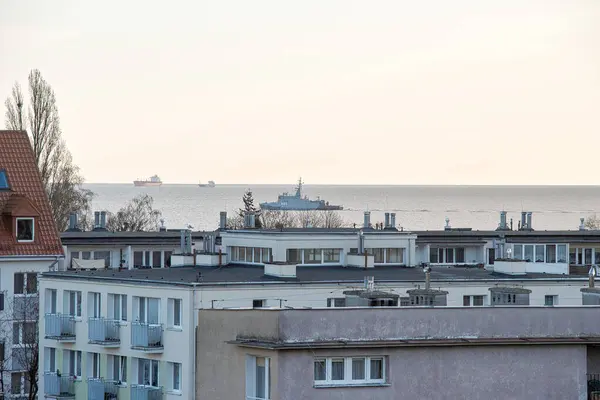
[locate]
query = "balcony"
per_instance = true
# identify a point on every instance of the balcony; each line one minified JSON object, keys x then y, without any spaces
{"x":146,"y":337}
{"x":99,"y":389}
{"x":143,"y":392}
{"x":58,"y":387}
{"x":104,"y":332}
{"x":60,"y":327}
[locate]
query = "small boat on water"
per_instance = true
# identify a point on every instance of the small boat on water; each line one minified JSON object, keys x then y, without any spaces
{"x":209,"y":184}
{"x":295,"y":202}
{"x":152,"y":181}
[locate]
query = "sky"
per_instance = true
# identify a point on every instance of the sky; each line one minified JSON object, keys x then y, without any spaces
{"x":336,"y":91}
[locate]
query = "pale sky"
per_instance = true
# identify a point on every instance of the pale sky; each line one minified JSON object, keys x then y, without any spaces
{"x":335,"y":91}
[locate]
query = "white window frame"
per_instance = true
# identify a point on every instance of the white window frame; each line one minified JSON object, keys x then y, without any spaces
{"x":78,"y":301}
{"x":251,"y":377}
{"x":140,"y":366}
{"x":93,"y":361}
{"x":71,"y":369}
{"x":116,"y":374}
{"x":554,"y":300}
{"x":49,"y":359}
{"x":32,"y":229}
{"x":94,"y":305}
{"x":348,"y":381}
{"x":117,"y":303}
{"x":142,"y":317}
{"x":472,"y":300}
{"x":175,"y":306}
{"x":175,"y":379}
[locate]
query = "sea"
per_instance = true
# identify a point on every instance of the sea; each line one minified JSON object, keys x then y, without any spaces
{"x":416,"y":207}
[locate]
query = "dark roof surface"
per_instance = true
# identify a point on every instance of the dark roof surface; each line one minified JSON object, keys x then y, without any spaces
{"x":26,"y":197}
{"x":234,"y":274}
{"x":104,"y":237}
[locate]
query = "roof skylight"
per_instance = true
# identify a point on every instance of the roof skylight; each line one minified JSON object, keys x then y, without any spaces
{"x":3,"y":180}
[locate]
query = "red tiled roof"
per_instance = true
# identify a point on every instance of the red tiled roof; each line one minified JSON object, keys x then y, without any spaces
{"x":26,"y":197}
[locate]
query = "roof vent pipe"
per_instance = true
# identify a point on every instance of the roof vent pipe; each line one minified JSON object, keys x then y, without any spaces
{"x":223,"y":220}
{"x":102,"y":219}
{"x":529,"y":226}
{"x":582,"y":224}
{"x":503,"y":220}
{"x":96,"y":219}
{"x":523,"y":220}
{"x":73,"y":221}
{"x":387,"y":220}
{"x":393,"y":220}
{"x":367,"y":220}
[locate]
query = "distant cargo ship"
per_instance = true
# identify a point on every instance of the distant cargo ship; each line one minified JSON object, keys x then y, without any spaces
{"x":153,"y":181}
{"x":295,"y":202}
{"x":209,"y":184}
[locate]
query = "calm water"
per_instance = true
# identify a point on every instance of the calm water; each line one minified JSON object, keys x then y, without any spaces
{"x":416,"y":207}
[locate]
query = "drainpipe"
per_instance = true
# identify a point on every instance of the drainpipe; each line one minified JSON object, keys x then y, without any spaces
{"x":592,"y":275}
{"x":220,"y":258}
{"x":366,"y":259}
{"x":427,"y":277}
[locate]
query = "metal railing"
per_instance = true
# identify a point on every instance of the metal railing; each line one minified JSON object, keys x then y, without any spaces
{"x":59,"y":326}
{"x":146,"y":336}
{"x":99,"y":389}
{"x":143,"y":392}
{"x":593,"y":386}
{"x":58,"y":386}
{"x":103,"y":331}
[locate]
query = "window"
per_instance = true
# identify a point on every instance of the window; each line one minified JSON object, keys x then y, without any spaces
{"x":146,"y":310}
{"x":93,"y":361}
{"x":103,"y":255}
{"x":259,"y":303}
{"x":146,"y":259}
{"x":72,"y":303}
{"x":176,"y":377}
{"x":561,"y":254}
{"x":394,"y":256}
{"x":156,"y":259}
{"x":550,"y":300}
{"x":4,"y":180}
{"x":17,"y":380}
{"x":293,"y":256}
{"x":518,"y":252}
{"x":94,"y":305}
{"x":148,"y":372}
{"x":331,"y":255}
{"x":51,"y":301}
{"x":24,"y":333}
{"x":539,"y":253}
{"x":459,"y":254}
{"x":117,"y":306}
{"x":138,"y":258}
{"x":266,"y":255}
{"x":72,"y":361}
{"x":378,"y":255}
{"x":49,"y":359}
{"x":445,"y":255}
{"x":312,"y":256}
{"x":528,"y":252}
{"x":167,"y":256}
{"x":25,"y":283}
{"x":550,"y":253}
{"x":336,"y":302}
{"x":475,"y":301}
{"x":175,"y":312}
{"x":258,"y":378}
{"x":25,"y":230}
{"x":117,"y":368}
{"x":349,"y":371}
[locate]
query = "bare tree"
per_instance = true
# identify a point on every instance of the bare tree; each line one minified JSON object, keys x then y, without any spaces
{"x":19,"y":329}
{"x":60,"y":175}
{"x":592,"y":222}
{"x":139,"y":215}
{"x":276,"y":219}
{"x":332,"y":219}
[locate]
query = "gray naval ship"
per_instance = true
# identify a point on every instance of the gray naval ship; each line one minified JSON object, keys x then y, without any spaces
{"x":295,"y":202}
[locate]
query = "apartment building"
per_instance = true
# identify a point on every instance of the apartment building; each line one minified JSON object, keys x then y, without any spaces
{"x":397,"y":353}
{"x":29,"y":244}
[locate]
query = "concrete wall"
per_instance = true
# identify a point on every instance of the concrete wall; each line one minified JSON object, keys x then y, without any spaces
{"x":475,"y":373}
{"x":416,"y":323}
{"x":221,"y":367}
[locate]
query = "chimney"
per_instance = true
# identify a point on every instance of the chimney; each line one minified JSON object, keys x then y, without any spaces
{"x":503,"y":220}
{"x":73,"y":221}
{"x":393,"y":220}
{"x":582,"y":224}
{"x":162,"y":227}
{"x":252,"y":220}
{"x":367,"y":221}
{"x":96,"y":219}
{"x":523,"y":220}
{"x":223,"y":220}
{"x":103,"y":219}
{"x":529,"y":226}
{"x":387,"y":220}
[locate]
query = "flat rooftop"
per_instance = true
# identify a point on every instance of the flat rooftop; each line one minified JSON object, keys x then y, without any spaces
{"x":241,"y":275}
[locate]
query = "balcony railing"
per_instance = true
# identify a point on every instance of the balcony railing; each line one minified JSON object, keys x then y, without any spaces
{"x":143,"y":392}
{"x":99,"y":389}
{"x":146,"y":337}
{"x":59,"y":387}
{"x":60,"y":327}
{"x":104,"y":331}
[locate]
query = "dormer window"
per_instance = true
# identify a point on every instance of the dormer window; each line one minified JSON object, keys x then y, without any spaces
{"x":25,"y":229}
{"x":4,"y":180}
